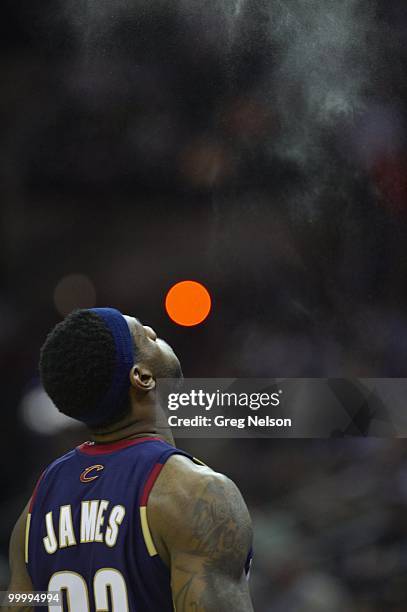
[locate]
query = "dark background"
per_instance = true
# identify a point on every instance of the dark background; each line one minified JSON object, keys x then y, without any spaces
{"x":257,"y":147}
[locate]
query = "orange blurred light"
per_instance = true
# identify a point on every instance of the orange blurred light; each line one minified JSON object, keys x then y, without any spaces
{"x":188,"y":303}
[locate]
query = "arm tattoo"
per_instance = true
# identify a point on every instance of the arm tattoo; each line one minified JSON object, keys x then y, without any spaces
{"x":218,"y":529}
{"x":221,"y":537}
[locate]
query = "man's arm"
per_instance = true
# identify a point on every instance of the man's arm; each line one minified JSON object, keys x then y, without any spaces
{"x":20,"y":580}
{"x":202,"y":530}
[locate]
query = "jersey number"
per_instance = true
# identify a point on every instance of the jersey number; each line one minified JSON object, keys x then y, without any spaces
{"x":77,"y":591}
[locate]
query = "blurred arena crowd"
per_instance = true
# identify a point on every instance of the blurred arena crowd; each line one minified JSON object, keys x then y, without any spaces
{"x":260,"y":148}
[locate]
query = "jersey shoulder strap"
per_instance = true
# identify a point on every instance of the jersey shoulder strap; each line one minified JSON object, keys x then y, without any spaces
{"x":146,"y":489}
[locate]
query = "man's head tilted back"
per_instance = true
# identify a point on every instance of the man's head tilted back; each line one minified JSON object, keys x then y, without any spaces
{"x":93,"y":358}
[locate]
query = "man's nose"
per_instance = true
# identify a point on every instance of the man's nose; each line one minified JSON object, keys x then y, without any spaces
{"x":150,"y":332}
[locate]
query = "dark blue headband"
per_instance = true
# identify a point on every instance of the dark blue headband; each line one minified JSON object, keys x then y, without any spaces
{"x":119,"y":387}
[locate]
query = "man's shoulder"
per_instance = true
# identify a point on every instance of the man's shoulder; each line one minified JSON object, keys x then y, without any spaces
{"x":191,"y":501}
{"x":59,"y":462}
{"x":182,"y":480}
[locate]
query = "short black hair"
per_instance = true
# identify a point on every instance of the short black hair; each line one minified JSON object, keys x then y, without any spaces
{"x":77,"y":364}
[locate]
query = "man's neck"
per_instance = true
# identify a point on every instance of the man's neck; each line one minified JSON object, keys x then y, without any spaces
{"x":132,"y":429}
{"x":146,"y":418}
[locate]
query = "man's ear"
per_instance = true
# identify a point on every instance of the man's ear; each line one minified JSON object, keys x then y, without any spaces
{"x":141,"y":378}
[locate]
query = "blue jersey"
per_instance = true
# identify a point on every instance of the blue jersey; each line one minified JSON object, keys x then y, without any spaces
{"x":87,"y":531}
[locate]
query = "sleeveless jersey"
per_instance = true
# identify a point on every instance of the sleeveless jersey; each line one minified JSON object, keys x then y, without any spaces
{"x":87,"y":532}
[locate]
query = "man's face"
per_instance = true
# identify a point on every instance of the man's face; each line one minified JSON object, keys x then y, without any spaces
{"x":154,"y":351}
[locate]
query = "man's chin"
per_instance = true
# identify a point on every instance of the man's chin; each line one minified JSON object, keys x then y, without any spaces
{"x":171,"y":368}
{"x":171,"y":382}
{"x":176,"y":374}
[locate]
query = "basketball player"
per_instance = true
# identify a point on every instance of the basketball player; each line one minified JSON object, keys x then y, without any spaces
{"x":127,"y":522}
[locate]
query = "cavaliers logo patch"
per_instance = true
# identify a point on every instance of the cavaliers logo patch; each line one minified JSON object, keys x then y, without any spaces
{"x":84,"y":476}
